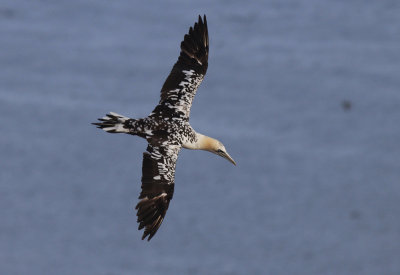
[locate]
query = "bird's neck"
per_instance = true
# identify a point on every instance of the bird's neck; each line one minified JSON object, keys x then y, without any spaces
{"x":202,"y":143}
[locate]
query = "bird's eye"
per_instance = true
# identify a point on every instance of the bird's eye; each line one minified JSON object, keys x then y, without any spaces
{"x":219,"y":151}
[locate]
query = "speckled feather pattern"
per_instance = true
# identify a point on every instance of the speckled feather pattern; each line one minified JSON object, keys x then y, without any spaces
{"x":166,"y":129}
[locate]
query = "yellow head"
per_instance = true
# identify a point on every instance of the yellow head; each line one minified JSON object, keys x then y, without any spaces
{"x":214,"y":146}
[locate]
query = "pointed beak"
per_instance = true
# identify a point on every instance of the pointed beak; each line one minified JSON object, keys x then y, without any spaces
{"x":228,"y":157}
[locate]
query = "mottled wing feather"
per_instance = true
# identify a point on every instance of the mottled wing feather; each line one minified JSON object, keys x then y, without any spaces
{"x":188,"y":72}
{"x":157,"y":186}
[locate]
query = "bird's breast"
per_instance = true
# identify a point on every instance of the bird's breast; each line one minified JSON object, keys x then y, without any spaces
{"x":189,"y":139}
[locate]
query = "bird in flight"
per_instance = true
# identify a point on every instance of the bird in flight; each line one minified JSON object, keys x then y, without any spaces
{"x":167,"y":129}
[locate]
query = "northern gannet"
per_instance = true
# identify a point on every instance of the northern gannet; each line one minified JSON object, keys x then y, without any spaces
{"x":167,"y":129}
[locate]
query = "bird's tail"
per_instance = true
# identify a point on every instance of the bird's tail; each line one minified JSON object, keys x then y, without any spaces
{"x":115,"y":123}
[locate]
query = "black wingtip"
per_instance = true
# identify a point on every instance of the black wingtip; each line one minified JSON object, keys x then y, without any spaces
{"x":202,"y":18}
{"x":195,"y":45}
{"x":202,"y":21}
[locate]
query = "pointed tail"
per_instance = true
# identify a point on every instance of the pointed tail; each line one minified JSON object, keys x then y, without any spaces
{"x":114,"y":123}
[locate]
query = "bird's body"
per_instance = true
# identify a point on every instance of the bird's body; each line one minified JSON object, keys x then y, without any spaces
{"x":167,"y":129}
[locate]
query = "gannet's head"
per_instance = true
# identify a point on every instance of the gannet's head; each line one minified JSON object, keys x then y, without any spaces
{"x":215,"y":146}
{"x":221,"y":151}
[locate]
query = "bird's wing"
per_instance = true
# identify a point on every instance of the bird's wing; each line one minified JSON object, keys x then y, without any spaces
{"x":181,"y":85}
{"x":157,"y":186}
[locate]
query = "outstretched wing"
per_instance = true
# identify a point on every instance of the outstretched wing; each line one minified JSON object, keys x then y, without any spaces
{"x":181,"y":85}
{"x":157,"y":186}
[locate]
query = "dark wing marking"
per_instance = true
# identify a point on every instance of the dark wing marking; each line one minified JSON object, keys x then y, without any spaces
{"x":157,"y":186}
{"x":181,"y":85}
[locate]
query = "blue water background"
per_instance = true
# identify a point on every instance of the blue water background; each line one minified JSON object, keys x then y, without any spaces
{"x":305,"y":95}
